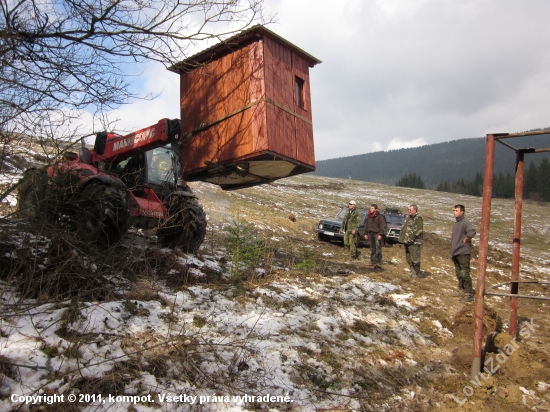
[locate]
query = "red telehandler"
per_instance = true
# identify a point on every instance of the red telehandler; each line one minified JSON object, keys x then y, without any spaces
{"x":123,"y":181}
{"x":246,"y":115}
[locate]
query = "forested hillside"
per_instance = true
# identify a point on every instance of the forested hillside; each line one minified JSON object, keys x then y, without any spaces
{"x":442,"y":162}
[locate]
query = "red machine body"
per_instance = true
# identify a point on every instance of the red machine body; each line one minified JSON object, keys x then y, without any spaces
{"x":111,"y":149}
{"x":124,"y":181}
{"x":114,"y":148}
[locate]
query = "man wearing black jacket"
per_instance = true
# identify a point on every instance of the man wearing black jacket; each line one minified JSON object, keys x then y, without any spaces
{"x":374,"y":233}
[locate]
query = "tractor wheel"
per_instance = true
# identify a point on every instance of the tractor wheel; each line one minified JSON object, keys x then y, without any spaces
{"x":185,"y":226}
{"x":33,"y":196}
{"x":102,"y":214}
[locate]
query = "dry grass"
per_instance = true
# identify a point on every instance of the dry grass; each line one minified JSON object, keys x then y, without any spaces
{"x":293,"y":257}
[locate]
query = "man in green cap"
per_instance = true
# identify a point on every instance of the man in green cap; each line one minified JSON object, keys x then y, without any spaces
{"x":350,"y":228}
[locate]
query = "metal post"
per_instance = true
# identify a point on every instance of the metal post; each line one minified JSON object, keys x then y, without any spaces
{"x":483,"y":249}
{"x":520,"y":166}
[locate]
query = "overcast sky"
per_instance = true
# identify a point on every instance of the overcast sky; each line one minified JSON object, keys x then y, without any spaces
{"x":404,"y":73}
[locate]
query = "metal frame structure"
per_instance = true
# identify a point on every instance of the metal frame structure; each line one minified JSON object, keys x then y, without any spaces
{"x":484,"y":237}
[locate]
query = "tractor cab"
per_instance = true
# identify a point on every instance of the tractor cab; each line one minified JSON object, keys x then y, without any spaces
{"x":160,"y":167}
{"x":156,"y":168}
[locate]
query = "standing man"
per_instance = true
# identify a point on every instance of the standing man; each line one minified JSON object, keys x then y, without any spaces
{"x":374,"y":233}
{"x":350,"y":227}
{"x":461,"y":249}
{"x":412,"y":237}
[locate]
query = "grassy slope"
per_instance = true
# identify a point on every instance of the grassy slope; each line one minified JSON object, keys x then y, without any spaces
{"x":311,"y":198}
{"x":340,"y":327}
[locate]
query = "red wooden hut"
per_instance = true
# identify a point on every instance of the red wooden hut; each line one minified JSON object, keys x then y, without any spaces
{"x":246,"y":111}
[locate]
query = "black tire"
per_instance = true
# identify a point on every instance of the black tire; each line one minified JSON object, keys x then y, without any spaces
{"x":186,"y":224}
{"x":322,"y":237}
{"x":102,"y":214}
{"x":33,"y":196}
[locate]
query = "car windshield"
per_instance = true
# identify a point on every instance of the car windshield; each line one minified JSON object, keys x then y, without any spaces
{"x":395,"y":219}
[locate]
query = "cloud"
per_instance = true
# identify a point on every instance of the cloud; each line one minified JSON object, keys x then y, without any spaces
{"x":427,"y":71}
{"x":397,"y":143}
{"x":415,"y":68}
{"x":162,"y":87}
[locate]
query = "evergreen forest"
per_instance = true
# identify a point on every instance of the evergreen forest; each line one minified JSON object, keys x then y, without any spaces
{"x":411,"y":180}
{"x":536,"y":184}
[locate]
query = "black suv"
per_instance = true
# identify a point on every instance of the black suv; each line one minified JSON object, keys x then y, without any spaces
{"x":394,"y":223}
{"x":329,"y":229}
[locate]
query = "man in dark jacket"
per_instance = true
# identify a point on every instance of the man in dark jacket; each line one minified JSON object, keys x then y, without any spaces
{"x":412,"y":237}
{"x":350,"y":227}
{"x":374,"y":233}
{"x":461,"y":249}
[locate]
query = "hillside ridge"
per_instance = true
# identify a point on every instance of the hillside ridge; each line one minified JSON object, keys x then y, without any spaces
{"x":448,"y":161}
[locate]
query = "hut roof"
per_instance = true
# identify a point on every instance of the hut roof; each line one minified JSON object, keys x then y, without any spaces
{"x":233,"y":42}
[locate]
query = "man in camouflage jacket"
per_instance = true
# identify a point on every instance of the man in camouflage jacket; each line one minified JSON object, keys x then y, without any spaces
{"x":350,"y":227}
{"x":411,"y":236}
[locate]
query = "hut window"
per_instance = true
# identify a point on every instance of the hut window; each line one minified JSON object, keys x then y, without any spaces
{"x":299,"y":92}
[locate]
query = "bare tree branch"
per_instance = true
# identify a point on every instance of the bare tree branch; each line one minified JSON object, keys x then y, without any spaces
{"x":59,"y":56}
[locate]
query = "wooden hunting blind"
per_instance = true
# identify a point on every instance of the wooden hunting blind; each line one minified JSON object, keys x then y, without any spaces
{"x":246,"y":111}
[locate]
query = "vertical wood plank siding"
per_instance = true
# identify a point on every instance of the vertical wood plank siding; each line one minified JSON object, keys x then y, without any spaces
{"x":257,"y":92}
{"x":261,"y":70}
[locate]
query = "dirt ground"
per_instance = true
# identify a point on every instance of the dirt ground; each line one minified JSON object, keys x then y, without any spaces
{"x":518,"y":370}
